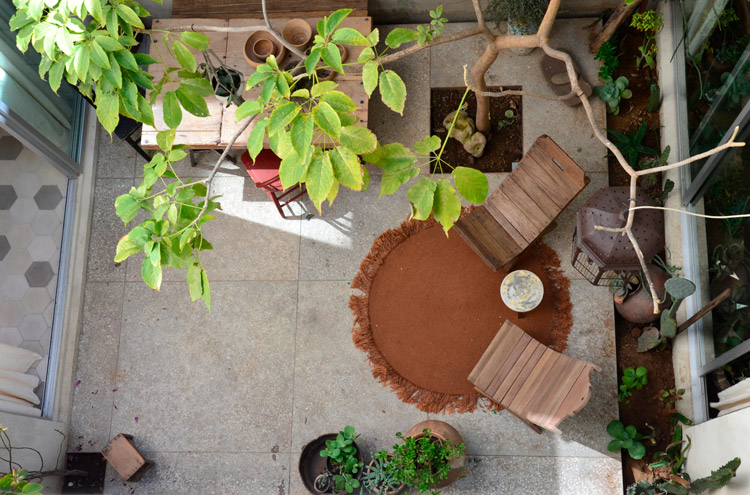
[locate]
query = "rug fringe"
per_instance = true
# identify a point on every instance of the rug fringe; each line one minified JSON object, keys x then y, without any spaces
{"x":383,"y":372}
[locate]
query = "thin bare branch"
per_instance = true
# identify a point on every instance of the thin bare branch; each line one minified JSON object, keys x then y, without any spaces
{"x":437,"y":41}
{"x":276,"y":35}
{"x":729,"y":144}
{"x":692,"y":213}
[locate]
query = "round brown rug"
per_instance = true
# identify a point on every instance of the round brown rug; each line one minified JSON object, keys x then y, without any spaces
{"x":431,"y":307}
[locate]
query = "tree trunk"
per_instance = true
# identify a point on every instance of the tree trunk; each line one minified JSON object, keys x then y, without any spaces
{"x":478,"y":71}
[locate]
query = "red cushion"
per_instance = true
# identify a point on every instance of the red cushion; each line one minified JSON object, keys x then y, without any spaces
{"x":264,"y":168}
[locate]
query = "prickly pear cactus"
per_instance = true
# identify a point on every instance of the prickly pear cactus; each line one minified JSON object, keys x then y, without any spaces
{"x":679,"y":288}
{"x":668,"y":325}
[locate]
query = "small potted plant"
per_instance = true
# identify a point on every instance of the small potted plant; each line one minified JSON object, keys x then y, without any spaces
{"x":379,"y":479}
{"x":343,"y":461}
{"x":523,"y":16}
{"x":432,"y":456}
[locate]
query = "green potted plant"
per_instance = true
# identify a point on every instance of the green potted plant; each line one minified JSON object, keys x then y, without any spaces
{"x":523,"y":16}
{"x":432,"y":456}
{"x":379,"y":479}
{"x":343,"y":460}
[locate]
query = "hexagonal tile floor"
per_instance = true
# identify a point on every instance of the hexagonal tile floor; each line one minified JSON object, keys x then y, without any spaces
{"x":32,"y":203}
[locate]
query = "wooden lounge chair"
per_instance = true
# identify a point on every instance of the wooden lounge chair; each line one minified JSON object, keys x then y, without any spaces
{"x":525,"y":205}
{"x":537,"y":384}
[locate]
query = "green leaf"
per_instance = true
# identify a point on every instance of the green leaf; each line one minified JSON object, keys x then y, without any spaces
{"x":365,"y":55}
{"x":301,"y":133}
{"x":35,"y":9}
{"x":206,"y":289}
{"x":81,"y":59}
{"x":199,"y":85}
{"x":339,"y":101}
{"x":332,"y":56}
{"x":301,"y":93}
{"x":446,"y":206}
{"x":291,"y":170}
{"x":171,"y":109}
{"x":637,"y":450}
{"x":127,"y":207}
{"x":421,"y":196}
{"x":391,"y":158}
{"x":374,"y":37}
{"x":427,"y":145}
{"x":95,"y":9}
{"x":165,"y":140}
{"x":199,"y":41}
{"x":127,"y":15}
{"x":322,"y":88}
{"x":32,"y":488}
{"x":389,"y":183}
{"x":370,"y":76}
{"x":113,"y":75}
{"x":392,"y":91}
{"x":184,"y":56}
{"x":151,"y":274}
{"x":145,"y":59}
{"x":113,"y":27}
{"x":255,"y":140}
{"x":108,"y":111}
{"x":127,"y":60}
{"x":471,"y":183}
{"x":359,"y":139}
{"x":399,"y":36}
{"x":336,"y":18}
{"x":195,"y":282}
{"x":247,"y":108}
{"x":282,"y":115}
{"x":192,"y":101}
{"x":327,"y":119}
{"x":109,"y":43}
{"x":312,"y":60}
{"x":256,"y":78}
{"x":55,"y":75}
{"x":349,"y":36}
{"x":125,"y":248}
{"x":346,"y":167}
{"x":319,"y":179}
{"x":64,"y":41}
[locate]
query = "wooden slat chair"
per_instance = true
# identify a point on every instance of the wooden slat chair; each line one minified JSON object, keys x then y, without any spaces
{"x":537,"y":384}
{"x":525,"y":205}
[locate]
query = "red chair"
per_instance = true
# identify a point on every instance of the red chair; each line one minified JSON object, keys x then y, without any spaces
{"x":265,"y":173}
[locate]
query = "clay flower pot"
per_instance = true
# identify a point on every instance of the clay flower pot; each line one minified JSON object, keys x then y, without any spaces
{"x":397,"y":491}
{"x":638,"y":307}
{"x":260,"y":45}
{"x":442,"y":431}
{"x":298,"y":33}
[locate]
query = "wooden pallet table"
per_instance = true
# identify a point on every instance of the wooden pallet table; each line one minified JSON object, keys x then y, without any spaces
{"x":217,"y":129}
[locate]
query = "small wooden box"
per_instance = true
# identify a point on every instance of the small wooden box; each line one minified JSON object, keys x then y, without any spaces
{"x":125,"y":458}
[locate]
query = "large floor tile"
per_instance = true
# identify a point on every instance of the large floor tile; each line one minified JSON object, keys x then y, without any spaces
{"x":333,"y":386}
{"x":539,"y":475}
{"x":116,"y":158}
{"x":197,"y":380}
{"x":251,"y":241}
{"x":106,"y":231}
{"x":334,"y":243}
{"x":96,"y":369}
{"x":190,"y":473}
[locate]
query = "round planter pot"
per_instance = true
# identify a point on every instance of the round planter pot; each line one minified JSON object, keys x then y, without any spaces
{"x":638,"y":307}
{"x":442,"y":431}
{"x":311,"y":465}
{"x":259,"y":45}
{"x":515,"y":27}
{"x":236,"y":83}
{"x":298,"y":33}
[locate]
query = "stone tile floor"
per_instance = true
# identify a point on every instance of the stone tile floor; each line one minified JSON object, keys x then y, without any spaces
{"x":32,"y":206}
{"x":225,"y":401}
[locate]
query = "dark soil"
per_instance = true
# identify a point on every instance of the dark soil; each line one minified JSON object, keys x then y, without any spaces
{"x":504,"y":145}
{"x":91,"y":462}
{"x":633,"y":111}
{"x":644,"y":408}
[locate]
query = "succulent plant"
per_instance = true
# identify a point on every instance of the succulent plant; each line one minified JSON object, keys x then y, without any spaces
{"x":679,"y":289}
{"x":611,"y":92}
